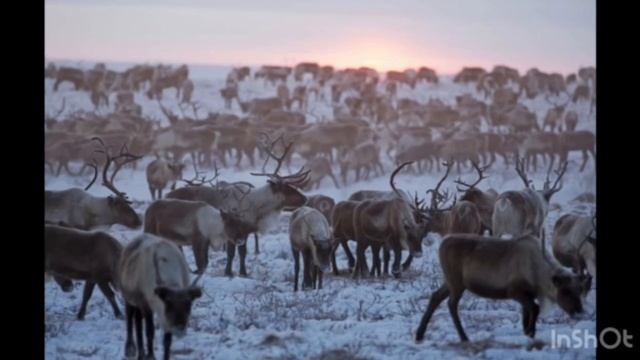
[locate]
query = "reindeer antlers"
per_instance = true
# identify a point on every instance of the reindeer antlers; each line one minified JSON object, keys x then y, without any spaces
{"x":93,"y":164}
{"x":481,"y":177}
{"x":124,"y":153}
{"x":521,"y":172}
{"x":393,"y":175}
{"x":562,"y":168}
{"x":297,"y":179}
{"x":440,"y":198}
{"x":199,"y":182}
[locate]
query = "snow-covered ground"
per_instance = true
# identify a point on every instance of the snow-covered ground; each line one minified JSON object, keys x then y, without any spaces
{"x":260,"y":317}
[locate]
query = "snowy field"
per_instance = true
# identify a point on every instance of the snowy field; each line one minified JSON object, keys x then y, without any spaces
{"x":260,"y":317}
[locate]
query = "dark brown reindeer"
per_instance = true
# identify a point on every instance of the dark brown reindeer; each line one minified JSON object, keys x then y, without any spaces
{"x":71,"y":254}
{"x":497,"y":269}
{"x":79,"y":209}
{"x":483,"y":200}
{"x":390,"y":223}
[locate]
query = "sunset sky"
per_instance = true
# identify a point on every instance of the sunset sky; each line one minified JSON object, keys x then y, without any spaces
{"x":446,"y":35}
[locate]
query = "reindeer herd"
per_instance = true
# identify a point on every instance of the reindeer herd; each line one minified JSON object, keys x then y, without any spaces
{"x":494,"y":243}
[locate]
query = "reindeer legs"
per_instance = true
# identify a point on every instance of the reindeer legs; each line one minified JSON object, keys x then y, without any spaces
{"x":242,"y":250}
{"x":436,"y":299}
{"x":129,"y":346}
{"x":296,"y":268}
{"x":108,"y":293}
{"x":395,"y":268}
{"x":86,"y":295}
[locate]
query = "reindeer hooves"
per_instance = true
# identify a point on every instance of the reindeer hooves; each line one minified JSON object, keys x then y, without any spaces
{"x":130,"y":350}
{"x":396,"y":273}
{"x":119,"y":316}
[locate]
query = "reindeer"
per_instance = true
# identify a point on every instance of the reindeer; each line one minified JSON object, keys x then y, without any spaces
{"x":154,"y":278}
{"x":310,"y":233}
{"x":523,"y":212}
{"x":483,"y":201}
{"x":81,"y":255}
{"x":570,"y":120}
{"x":77,"y":208}
{"x":583,"y":141}
{"x":263,"y":204}
{"x":73,"y":75}
{"x":229,"y":93}
{"x":390,"y":223}
{"x":364,"y":156}
{"x":497,"y":269}
{"x":469,"y":74}
{"x":320,"y":168}
{"x":554,"y":115}
{"x":322,"y":203}
{"x":574,"y":243}
{"x":160,"y":173}
{"x":187,"y":90}
{"x":199,"y":225}
{"x":283,"y":93}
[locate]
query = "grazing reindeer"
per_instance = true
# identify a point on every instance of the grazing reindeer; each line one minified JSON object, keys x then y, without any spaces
{"x":483,"y":200}
{"x":386,"y":222}
{"x":322,"y":203}
{"x":523,"y":212}
{"x":160,"y":173}
{"x":497,"y":269}
{"x":81,"y":255}
{"x":310,"y":233}
{"x":199,"y":225}
{"x":154,"y":279}
{"x":79,"y":209}
{"x":574,"y":243}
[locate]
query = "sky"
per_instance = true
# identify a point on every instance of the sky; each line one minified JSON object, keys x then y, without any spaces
{"x":553,"y":35}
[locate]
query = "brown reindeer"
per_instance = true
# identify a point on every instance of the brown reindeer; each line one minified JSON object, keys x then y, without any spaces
{"x":574,"y":243}
{"x":92,"y":257}
{"x":390,"y":223}
{"x":160,"y":173}
{"x":343,"y":231}
{"x":199,"y":225}
{"x":154,"y":278}
{"x":322,"y":203}
{"x":320,"y":168}
{"x":483,"y":200}
{"x":310,"y":234}
{"x":497,"y":269}
{"x":582,"y":140}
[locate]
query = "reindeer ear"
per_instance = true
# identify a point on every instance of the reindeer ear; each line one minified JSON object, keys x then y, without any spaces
{"x":162,"y":292}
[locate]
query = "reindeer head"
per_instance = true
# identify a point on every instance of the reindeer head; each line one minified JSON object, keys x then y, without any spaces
{"x":569,"y":290}
{"x":286,"y":188}
{"x":177,"y":306}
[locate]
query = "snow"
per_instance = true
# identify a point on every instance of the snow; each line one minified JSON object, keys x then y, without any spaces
{"x":261,"y":317}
